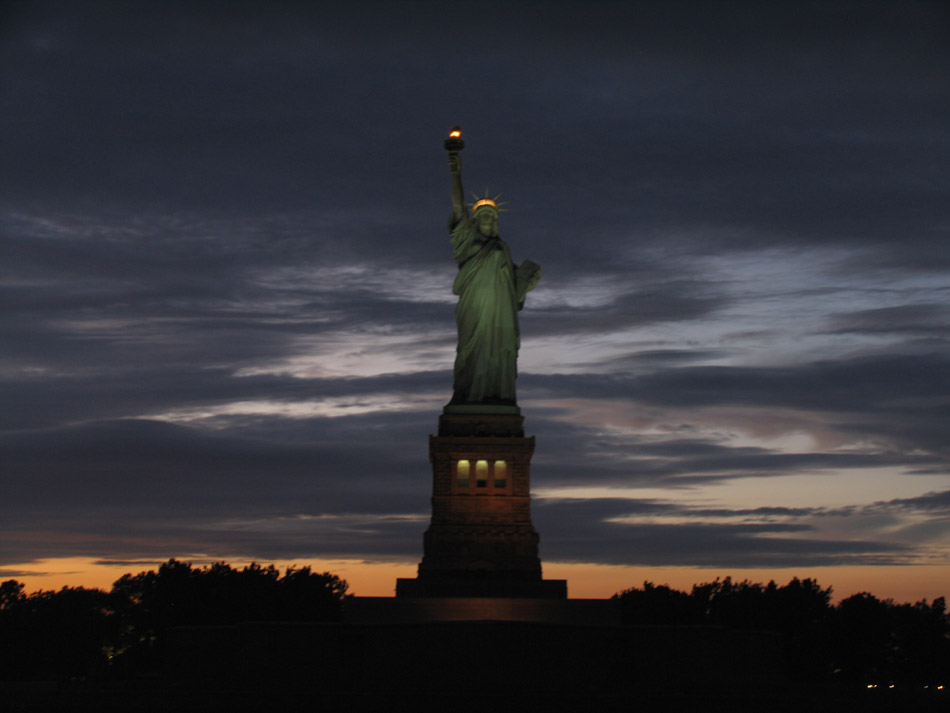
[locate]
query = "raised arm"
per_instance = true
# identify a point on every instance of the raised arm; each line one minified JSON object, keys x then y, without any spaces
{"x":458,"y":201}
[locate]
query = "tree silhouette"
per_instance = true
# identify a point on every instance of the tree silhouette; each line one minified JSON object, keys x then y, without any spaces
{"x":862,"y":640}
{"x":56,"y":634}
{"x":179,"y":594}
{"x":880,"y":642}
{"x":659,"y":605}
{"x":78,"y":632}
{"x":921,"y":642}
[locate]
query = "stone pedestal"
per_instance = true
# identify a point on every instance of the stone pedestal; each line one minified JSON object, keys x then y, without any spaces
{"x":481,"y":542}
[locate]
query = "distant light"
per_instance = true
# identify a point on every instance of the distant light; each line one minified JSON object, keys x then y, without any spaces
{"x":455,"y":134}
{"x":891,"y":686}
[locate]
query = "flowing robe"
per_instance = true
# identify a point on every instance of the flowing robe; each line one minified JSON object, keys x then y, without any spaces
{"x":491,"y":291}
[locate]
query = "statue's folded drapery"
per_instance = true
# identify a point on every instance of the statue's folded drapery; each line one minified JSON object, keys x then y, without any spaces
{"x":491,"y":290}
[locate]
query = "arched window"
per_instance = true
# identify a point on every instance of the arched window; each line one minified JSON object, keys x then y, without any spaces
{"x":481,"y":474}
{"x":461,"y":473}
{"x":501,"y":474}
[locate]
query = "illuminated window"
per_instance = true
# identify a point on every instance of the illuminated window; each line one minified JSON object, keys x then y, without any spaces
{"x":461,"y":473}
{"x":501,"y":474}
{"x":481,"y":474}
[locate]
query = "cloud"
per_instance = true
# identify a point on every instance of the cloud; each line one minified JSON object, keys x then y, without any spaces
{"x":700,"y":544}
{"x":19,"y":573}
{"x":657,"y":533}
{"x":228,"y":321}
{"x":866,"y":390}
{"x":938,"y":502}
{"x":920,"y":320}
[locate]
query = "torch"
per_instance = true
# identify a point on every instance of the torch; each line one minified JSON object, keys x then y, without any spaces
{"x":455,"y":142}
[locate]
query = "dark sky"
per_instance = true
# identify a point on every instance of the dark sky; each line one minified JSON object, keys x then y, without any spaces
{"x":226,"y":281}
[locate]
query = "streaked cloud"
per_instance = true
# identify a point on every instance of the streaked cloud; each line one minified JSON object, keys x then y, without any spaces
{"x":227,"y":327}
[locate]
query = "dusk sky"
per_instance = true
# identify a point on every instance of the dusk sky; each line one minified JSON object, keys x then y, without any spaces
{"x":227,"y":319}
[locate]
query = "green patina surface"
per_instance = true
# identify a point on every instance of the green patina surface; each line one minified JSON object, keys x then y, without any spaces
{"x":491,"y":290}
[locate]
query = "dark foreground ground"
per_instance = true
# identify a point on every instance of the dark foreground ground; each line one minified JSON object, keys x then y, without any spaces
{"x":462,"y":666}
{"x":158,"y":695}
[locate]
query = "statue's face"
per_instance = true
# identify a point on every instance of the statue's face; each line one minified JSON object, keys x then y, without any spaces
{"x":486,"y":222}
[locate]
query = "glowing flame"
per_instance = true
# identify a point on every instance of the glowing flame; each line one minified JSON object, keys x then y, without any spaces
{"x":455,"y":134}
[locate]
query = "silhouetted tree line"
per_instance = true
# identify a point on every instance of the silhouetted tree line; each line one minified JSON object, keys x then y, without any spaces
{"x":861,"y":640}
{"x":79,"y":632}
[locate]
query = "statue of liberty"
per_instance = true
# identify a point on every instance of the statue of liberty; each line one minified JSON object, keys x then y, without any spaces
{"x":491,"y":290}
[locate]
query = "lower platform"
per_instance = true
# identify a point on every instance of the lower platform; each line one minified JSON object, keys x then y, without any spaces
{"x":481,"y":587}
{"x":387,"y":610}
